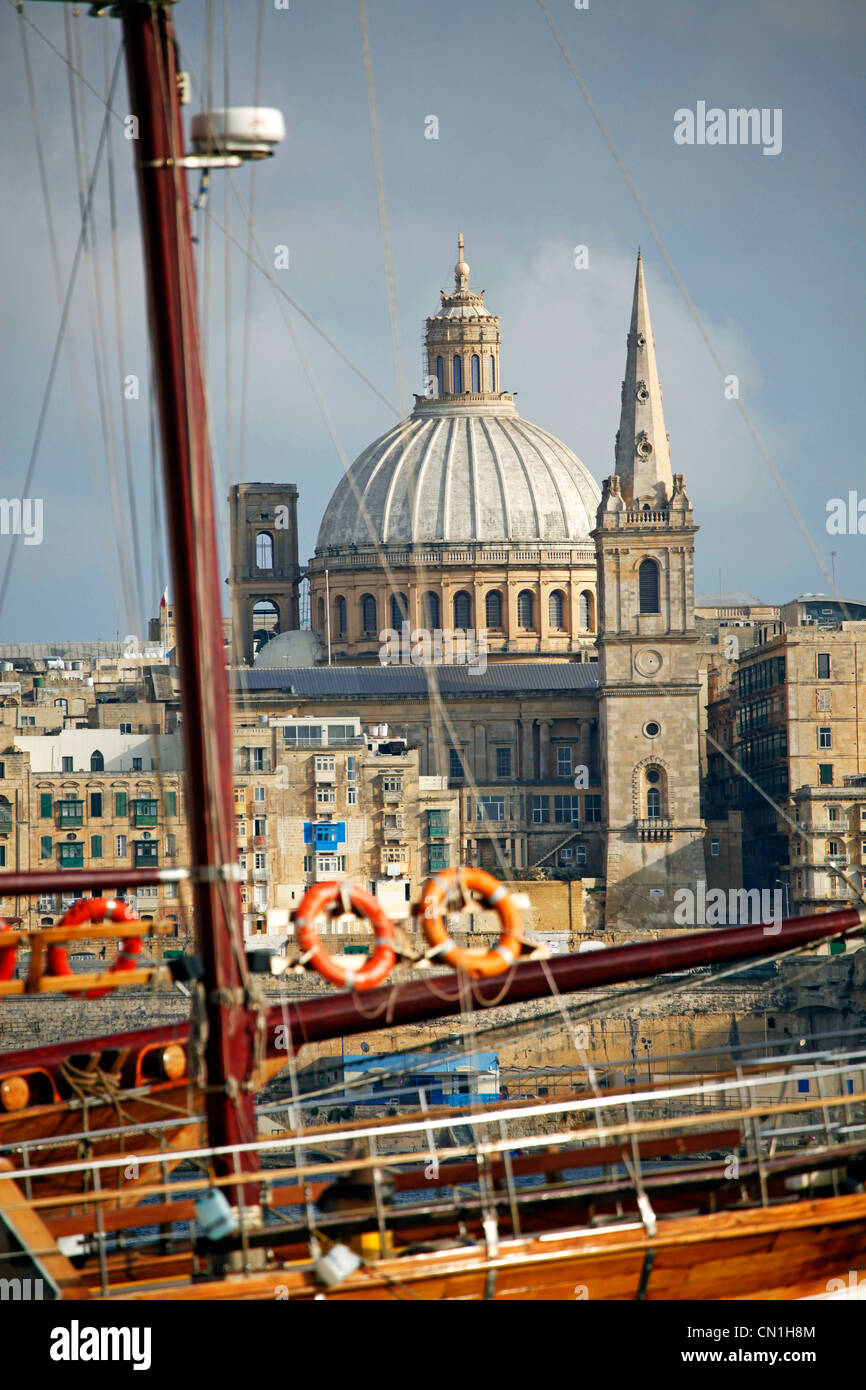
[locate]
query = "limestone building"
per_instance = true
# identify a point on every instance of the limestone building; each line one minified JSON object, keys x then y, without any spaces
{"x":463,"y":516}
{"x":264,"y":574}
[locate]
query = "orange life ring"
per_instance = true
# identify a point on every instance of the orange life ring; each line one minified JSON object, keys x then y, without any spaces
{"x":492,"y":893}
{"x":319,"y":897}
{"x":95,"y":910}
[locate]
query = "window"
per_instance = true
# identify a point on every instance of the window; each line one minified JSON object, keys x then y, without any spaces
{"x":340,"y":616}
{"x":260,"y":793}
{"x":556,"y":609}
{"x":491,"y":364}
{"x":67,"y":764}
{"x":832,"y":847}
{"x":264,"y":550}
{"x":493,"y":609}
{"x":28,"y":721}
{"x":61,"y":704}
{"x":503,"y":762}
{"x":475,"y":372}
{"x":566,"y":810}
{"x":440,"y":375}
{"x":824,"y":701}
{"x":171,"y":803}
{"x":368,"y":613}
{"x":525,"y":607}
{"x":652,"y":729}
{"x":45,"y":809}
{"x":430,"y":609}
{"x":144,"y":811}
{"x":97,"y":761}
{"x":146,"y":853}
{"x":457,"y":375}
{"x":120,"y":846}
{"x":46,"y":847}
{"x":392,"y":821}
{"x":258,"y":759}
{"x":341,"y":733}
{"x":592,"y":806}
{"x":825,"y":738}
{"x":541,"y":810}
{"x":2,"y":769}
{"x":71,"y":813}
{"x":714,"y":848}
{"x":563,"y":761}
{"x":171,"y":845}
{"x":823,"y":666}
{"x":825,"y":774}
{"x":260,"y":826}
{"x":351,"y":774}
{"x":96,"y":805}
{"x":325,"y":762}
{"x":399,"y":610}
{"x":653,"y":803}
{"x":302,"y":734}
{"x":325,"y":796}
{"x":96,"y":846}
{"x":580,"y":855}
{"x":126,"y":728}
{"x":490,"y":808}
{"x":648,"y":586}
{"x":351,"y":796}
{"x":72,"y":855}
{"x":462,"y":610}
{"x":566,"y":854}
{"x":120,"y":803}
{"x":392,"y":784}
{"x":260,"y":859}
{"x":137,"y":764}
{"x":455,"y":764}
{"x":437,"y":858}
{"x":438,"y":823}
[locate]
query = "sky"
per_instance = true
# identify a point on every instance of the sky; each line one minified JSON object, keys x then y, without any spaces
{"x":768,"y":249}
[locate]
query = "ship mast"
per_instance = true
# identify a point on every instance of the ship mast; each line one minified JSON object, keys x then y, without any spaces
{"x":229,"y":1049}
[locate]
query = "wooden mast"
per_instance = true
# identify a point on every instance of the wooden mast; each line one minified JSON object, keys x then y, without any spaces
{"x":229,"y":1047}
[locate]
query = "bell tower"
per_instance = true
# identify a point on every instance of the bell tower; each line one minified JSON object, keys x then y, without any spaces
{"x":264,"y":575}
{"x":648,"y":690}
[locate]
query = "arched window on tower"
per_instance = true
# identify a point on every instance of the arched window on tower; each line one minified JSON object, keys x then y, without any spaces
{"x":462,"y":610}
{"x":266,"y":622}
{"x":556,"y":610}
{"x":457,"y":375}
{"x":648,"y":586}
{"x":264,"y":550}
{"x":320,"y":612}
{"x":525,"y":609}
{"x":340,"y":615}
{"x":492,"y":364}
{"x":368,"y":613}
{"x":431,"y":610}
{"x":493,"y":609}
{"x":475,"y":366}
{"x":440,"y":375}
{"x":655,"y":792}
{"x":97,"y":761}
{"x":585,"y":616}
{"x":399,"y":610}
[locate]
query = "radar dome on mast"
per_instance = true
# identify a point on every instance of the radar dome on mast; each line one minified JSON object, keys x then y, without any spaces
{"x":249,"y":132}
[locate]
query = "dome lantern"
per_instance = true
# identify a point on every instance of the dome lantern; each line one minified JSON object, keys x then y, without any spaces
{"x":462,"y":344}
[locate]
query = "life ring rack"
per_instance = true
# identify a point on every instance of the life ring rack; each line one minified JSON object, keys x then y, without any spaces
{"x":329,"y":895}
{"x":95,"y":910}
{"x":463,"y":882}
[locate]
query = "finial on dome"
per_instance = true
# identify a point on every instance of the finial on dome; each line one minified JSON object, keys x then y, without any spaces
{"x":461,"y":269}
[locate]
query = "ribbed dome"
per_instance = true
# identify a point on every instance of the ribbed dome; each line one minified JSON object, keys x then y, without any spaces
{"x":480,"y":474}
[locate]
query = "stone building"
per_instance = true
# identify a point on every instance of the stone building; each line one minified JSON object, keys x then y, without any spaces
{"x":462,"y":516}
{"x":827,"y":866}
{"x":264,"y":574}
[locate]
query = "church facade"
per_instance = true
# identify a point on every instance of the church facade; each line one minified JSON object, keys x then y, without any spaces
{"x":575,"y":746}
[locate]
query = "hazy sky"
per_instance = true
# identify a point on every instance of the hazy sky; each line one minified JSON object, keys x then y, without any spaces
{"x":769,"y":248}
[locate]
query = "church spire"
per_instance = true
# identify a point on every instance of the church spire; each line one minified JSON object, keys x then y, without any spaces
{"x":643,"y":458}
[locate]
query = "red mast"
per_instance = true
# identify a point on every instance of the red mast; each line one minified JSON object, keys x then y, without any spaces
{"x":229,"y":1048}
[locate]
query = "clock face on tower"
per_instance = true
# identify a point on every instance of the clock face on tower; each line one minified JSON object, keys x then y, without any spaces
{"x":648,"y":662}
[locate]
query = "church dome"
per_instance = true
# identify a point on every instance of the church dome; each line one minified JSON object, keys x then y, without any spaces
{"x":478,"y":472}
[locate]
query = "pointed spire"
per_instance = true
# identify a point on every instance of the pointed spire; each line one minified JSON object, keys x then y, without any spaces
{"x":643,"y":458}
{"x":461,"y":269}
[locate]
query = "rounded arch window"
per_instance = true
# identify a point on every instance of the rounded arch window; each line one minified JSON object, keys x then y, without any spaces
{"x":368,"y":613}
{"x":340,"y":615}
{"x":493,"y":609}
{"x":475,"y":368}
{"x":648,"y":586}
{"x":264,"y":550}
{"x":457,"y":375}
{"x":653,"y":803}
{"x":431,"y":610}
{"x":440,"y":375}
{"x":266,"y":622}
{"x":491,"y":363}
{"x":525,"y":609}
{"x":320,"y":609}
{"x":399,"y":610}
{"x":97,"y":761}
{"x":556,"y":609}
{"x":462,"y":610}
{"x":585,"y":616}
